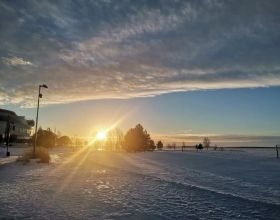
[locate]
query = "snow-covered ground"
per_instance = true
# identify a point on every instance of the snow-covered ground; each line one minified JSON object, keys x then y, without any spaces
{"x":15,"y":150}
{"x":230,"y":184}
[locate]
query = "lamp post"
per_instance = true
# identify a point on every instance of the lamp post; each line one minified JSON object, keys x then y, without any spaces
{"x":8,"y":126}
{"x":38,"y":105}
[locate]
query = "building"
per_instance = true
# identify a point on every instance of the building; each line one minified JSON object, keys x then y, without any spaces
{"x":18,"y":128}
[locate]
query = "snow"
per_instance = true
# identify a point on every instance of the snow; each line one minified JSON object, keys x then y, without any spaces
{"x":14,"y":150}
{"x":14,"y":153}
{"x":85,"y":184}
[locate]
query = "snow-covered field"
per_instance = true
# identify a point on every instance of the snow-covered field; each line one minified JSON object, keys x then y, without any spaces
{"x":230,"y":184}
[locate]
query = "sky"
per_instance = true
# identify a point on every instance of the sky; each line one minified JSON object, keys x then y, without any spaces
{"x":183,"y":69}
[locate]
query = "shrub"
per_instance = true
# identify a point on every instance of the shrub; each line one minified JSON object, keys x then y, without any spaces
{"x":45,"y":138}
{"x":41,"y":153}
{"x":64,"y":141}
{"x":199,"y":146}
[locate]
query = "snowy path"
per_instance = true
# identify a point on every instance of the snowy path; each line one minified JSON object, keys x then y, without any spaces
{"x":6,"y":160}
{"x":154,"y":185}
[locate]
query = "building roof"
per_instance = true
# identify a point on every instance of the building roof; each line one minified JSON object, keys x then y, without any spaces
{"x":7,"y":115}
{"x":5,"y":111}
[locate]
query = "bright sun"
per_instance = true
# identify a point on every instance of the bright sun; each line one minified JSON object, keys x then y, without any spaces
{"x":101,"y":135}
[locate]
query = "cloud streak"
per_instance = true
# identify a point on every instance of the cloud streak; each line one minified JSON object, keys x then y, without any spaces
{"x":122,"y":49}
{"x":16,"y":61}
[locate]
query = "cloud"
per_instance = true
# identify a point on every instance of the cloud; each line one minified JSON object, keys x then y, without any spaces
{"x":16,"y":61}
{"x":122,"y":49}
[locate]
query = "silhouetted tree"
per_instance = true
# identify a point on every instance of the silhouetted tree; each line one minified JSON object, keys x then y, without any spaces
{"x":137,"y":139}
{"x":114,"y":140}
{"x":159,"y":145}
{"x":152,"y":145}
{"x":45,"y":138}
{"x":174,"y":146}
{"x":119,"y":136}
{"x":200,"y":146}
{"x":206,"y":142}
{"x":169,"y":146}
{"x":183,"y":146}
{"x":64,"y":141}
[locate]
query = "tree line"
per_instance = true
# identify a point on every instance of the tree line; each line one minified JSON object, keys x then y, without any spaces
{"x":136,"y":139}
{"x":47,"y":138}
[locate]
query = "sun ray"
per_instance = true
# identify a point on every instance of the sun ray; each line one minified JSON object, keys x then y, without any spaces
{"x":87,"y":149}
{"x":68,"y":160}
{"x":67,"y":180}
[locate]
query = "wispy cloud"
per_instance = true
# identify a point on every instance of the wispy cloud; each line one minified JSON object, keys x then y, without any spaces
{"x":121,"y":49}
{"x":16,"y":61}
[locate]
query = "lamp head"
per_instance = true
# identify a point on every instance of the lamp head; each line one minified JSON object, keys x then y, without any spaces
{"x":44,"y":86}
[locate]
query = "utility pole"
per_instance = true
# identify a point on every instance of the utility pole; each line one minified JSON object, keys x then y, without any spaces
{"x":38,"y":105}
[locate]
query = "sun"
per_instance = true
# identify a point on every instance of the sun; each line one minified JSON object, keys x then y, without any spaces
{"x":101,"y":135}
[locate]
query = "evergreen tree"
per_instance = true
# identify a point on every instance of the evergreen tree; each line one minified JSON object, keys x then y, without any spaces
{"x":137,"y":139}
{"x":159,"y":145}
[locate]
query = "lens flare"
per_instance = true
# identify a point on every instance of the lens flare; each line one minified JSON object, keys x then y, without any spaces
{"x":101,"y":135}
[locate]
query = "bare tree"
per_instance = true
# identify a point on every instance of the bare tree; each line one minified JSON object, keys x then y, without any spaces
{"x":169,"y":146}
{"x":183,"y":146}
{"x":206,"y":142}
{"x":119,"y":139}
{"x":114,"y":139}
{"x":174,"y":146}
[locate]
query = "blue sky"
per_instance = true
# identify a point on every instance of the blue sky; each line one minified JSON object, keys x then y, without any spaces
{"x":182,"y":68}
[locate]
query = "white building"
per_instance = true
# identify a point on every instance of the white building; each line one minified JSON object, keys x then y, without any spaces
{"x":19,"y":128}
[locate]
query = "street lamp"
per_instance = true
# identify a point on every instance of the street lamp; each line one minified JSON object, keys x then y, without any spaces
{"x":8,"y":127}
{"x":38,"y":105}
